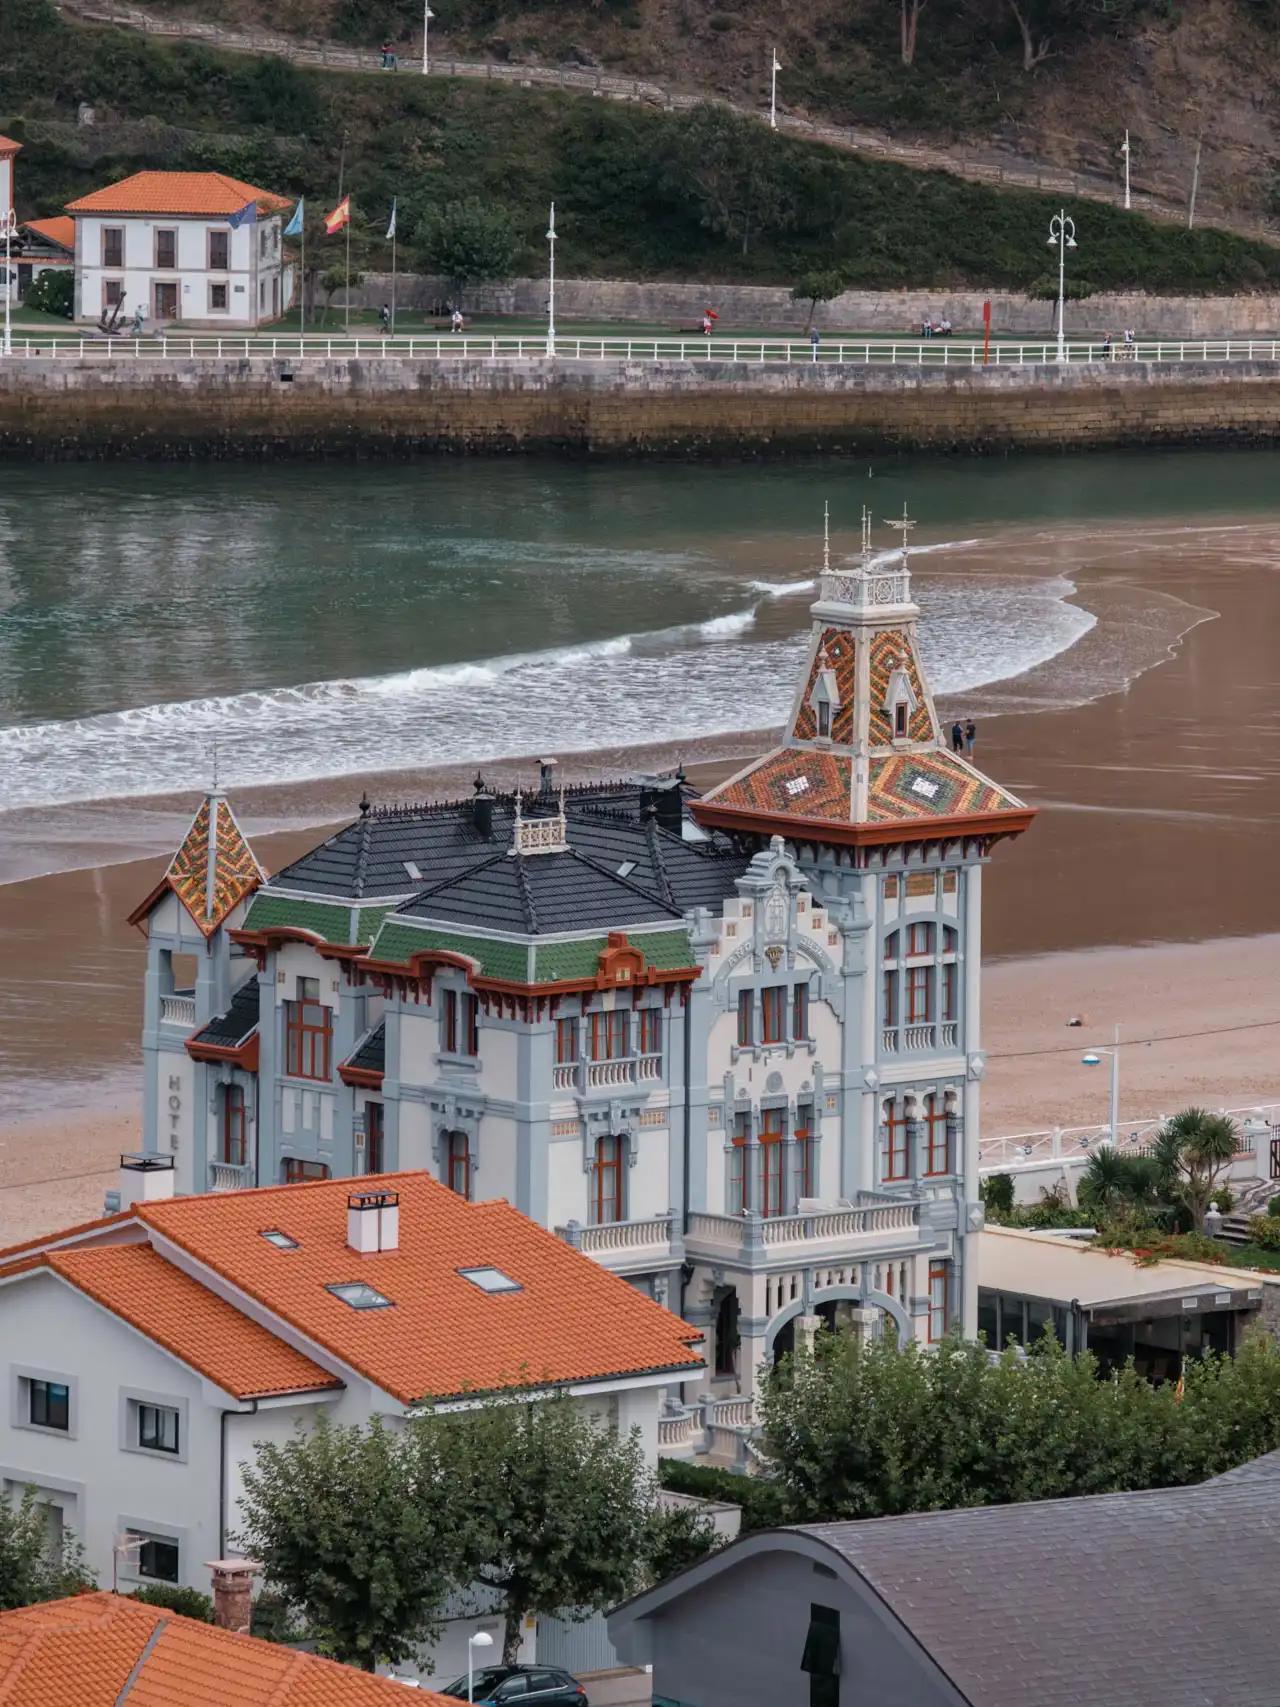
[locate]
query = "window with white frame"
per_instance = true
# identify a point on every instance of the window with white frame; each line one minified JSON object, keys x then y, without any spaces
{"x":43,"y":1399}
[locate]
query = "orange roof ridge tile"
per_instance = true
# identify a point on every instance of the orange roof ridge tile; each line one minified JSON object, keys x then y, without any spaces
{"x":209,"y":194}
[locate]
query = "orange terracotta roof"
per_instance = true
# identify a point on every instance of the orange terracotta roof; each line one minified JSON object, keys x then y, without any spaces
{"x":61,"y":229}
{"x":236,"y":872}
{"x":63,"y":1236}
{"x":196,"y":193}
{"x":80,"y":1652}
{"x":9,"y":146}
{"x":570,"y":1321}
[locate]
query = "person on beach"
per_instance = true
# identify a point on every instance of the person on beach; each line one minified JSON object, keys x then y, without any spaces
{"x":970,"y":734}
{"x":957,"y":737}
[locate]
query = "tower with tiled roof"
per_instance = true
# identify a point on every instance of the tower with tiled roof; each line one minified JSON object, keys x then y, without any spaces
{"x":196,"y":972}
{"x":892,"y":828}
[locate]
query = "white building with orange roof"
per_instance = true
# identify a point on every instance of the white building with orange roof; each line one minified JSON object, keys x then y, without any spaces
{"x":145,"y":1355}
{"x":199,"y":248}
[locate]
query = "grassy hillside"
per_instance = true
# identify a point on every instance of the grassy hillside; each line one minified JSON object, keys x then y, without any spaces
{"x":639,"y":194}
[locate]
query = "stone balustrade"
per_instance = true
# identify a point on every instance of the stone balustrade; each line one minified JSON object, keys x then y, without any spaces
{"x":178,"y":1009}
{"x":619,"y":1237}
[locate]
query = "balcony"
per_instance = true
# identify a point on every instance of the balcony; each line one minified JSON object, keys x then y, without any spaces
{"x":230,"y":1176}
{"x":628,"y":1245}
{"x":918,"y":1039}
{"x":852,"y":1231}
{"x":587,"y":1076}
{"x":179,"y":1008}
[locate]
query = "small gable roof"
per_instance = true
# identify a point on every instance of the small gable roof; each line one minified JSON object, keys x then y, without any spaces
{"x":209,"y":880}
{"x":61,"y":229}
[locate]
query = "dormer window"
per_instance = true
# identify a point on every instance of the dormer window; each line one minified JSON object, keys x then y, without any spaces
{"x":900,"y":720}
{"x":900,"y":699}
{"x":824,"y":719}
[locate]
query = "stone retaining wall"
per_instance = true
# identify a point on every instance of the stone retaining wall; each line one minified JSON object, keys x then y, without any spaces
{"x":681,"y":305}
{"x":181,"y":408}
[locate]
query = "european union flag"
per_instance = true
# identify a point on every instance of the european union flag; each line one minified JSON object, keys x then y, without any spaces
{"x":246,"y":216}
{"x":294,"y":227}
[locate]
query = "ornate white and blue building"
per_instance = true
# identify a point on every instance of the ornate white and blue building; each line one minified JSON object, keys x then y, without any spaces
{"x":729,"y":1045}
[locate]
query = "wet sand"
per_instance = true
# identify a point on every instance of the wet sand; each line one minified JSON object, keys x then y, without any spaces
{"x":1159,"y":825}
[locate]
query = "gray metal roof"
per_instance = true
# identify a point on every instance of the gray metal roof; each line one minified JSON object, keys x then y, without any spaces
{"x":621,"y":868}
{"x":1168,"y":1598}
{"x":239,"y":1022}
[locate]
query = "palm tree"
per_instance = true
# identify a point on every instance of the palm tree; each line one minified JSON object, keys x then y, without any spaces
{"x":1114,"y":1182}
{"x":1192,"y":1150}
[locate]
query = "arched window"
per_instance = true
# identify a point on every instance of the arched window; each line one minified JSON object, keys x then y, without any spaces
{"x":233,"y":1138}
{"x":458,"y":1163}
{"x":608,"y":1174}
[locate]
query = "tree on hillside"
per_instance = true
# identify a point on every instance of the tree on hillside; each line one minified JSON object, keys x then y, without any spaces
{"x":332,"y":1518}
{"x":909,"y":21}
{"x":565,"y":1506}
{"x":740,"y":188}
{"x":32,"y":1565}
{"x":1192,"y":1151}
{"x":820,"y":285}
{"x":470,"y":242}
{"x":1033,"y":18}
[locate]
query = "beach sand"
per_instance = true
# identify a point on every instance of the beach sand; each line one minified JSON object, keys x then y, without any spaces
{"x":1145,"y":893}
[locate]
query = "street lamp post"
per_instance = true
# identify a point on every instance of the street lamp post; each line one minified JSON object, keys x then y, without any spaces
{"x":1062,"y":236}
{"x":774,"y":69}
{"x":551,"y":298}
{"x":1124,"y":149}
{"x":427,"y":15}
{"x":1094,"y":1059}
{"x":10,"y":232}
{"x":481,"y":1639}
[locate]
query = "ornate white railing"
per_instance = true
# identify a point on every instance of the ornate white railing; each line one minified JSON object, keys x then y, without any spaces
{"x":627,"y":1070}
{"x":620,"y":1236}
{"x":858,"y":1221}
{"x":1065,"y":1142}
{"x":229,"y":1176}
{"x":178,"y":1009}
{"x":564,"y":1078}
{"x":730,"y":1413}
{"x":679,"y":1430}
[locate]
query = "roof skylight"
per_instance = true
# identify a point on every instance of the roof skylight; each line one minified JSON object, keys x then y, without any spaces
{"x":626,"y":868}
{"x":281,"y":1241}
{"x":490,"y":1279}
{"x":411,"y":866}
{"x":360,"y":1295}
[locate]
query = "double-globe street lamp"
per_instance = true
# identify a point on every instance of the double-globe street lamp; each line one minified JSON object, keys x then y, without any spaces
{"x":1062,"y":234}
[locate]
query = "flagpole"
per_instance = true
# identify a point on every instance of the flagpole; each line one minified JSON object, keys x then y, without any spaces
{"x":348,"y":290}
{"x":302,"y":283}
{"x":393,"y":276}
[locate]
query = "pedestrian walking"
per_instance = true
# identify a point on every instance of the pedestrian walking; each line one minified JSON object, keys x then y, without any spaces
{"x":384,"y":318}
{"x":814,"y":341}
{"x":1106,"y":347}
{"x":388,"y":56}
{"x":957,"y":737}
{"x":970,"y":734}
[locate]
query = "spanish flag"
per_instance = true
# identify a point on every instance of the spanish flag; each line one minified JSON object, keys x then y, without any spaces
{"x":341,"y":215}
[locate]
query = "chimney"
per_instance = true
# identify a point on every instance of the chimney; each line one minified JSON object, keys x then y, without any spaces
{"x":667,"y":798}
{"x":546,"y":780}
{"x":373,"y":1222}
{"x":145,"y":1178}
{"x":482,"y":808}
{"x":233,"y":1593}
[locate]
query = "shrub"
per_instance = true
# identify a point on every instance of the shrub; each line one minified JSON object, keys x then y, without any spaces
{"x":53,"y":292}
{"x":996,"y":1192}
{"x":1264,"y":1230}
{"x":761,"y":1499}
{"x":172,"y":1596}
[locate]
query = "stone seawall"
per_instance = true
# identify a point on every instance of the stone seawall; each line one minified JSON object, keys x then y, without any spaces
{"x":175,"y":409}
{"x":664,"y":303}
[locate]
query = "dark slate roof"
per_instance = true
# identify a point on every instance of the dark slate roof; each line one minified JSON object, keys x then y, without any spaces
{"x":371,"y":1051}
{"x":238,"y":1023}
{"x":1168,"y":1598}
{"x":469,"y":879}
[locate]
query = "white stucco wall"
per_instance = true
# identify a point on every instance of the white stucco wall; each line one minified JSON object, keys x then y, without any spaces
{"x":252,"y":275}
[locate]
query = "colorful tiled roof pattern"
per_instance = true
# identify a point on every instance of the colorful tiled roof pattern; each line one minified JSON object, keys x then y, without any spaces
{"x":60,"y":230}
{"x":331,"y":921}
{"x":441,"y":1335}
{"x":663,"y":951}
{"x":836,"y":651}
{"x":889,"y":648}
{"x":496,"y":958}
{"x":236,"y":873}
{"x":81,"y":1652}
{"x":212,"y":194}
{"x":554,"y":962}
{"x":135,"y":1283}
{"x":803,"y":783}
{"x":931,"y":785}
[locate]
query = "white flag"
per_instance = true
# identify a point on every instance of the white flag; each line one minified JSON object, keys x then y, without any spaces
{"x":391,"y":229}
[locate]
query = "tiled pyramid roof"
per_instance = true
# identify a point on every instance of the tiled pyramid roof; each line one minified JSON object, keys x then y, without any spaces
{"x":82,"y":1652}
{"x":209,"y":890}
{"x":193,"y":193}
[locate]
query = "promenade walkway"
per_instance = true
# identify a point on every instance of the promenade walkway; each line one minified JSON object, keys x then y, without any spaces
{"x":990,"y":165}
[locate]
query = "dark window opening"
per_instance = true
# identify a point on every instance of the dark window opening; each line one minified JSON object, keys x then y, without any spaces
{"x":157,"y":1428}
{"x":727,"y":1333}
{"x":821,"y":1656}
{"x":375,"y":1137}
{"x":900,"y":719}
{"x":157,"y":1559}
{"x":296,"y":1171}
{"x":824,"y":718}
{"x":49,"y":1404}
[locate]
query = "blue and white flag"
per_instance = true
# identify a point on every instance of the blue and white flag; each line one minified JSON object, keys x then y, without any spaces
{"x":391,"y":229}
{"x":294,"y":227}
{"x":246,"y":216}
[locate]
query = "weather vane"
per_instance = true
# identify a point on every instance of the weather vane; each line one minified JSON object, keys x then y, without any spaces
{"x":904,"y":525}
{"x":826,"y":537}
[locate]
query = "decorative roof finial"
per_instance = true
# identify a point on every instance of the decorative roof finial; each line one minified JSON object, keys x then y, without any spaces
{"x":905,"y":526}
{"x":866,"y":531}
{"x":826,"y":537}
{"x":365,"y":804}
{"x":213,"y":764}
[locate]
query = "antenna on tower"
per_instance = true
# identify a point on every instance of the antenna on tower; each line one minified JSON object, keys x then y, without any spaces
{"x":826,"y":537}
{"x":866,"y":531}
{"x":213,"y":763}
{"x":904,"y":525}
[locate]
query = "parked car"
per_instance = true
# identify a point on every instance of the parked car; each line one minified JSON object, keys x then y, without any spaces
{"x":530,"y":1686}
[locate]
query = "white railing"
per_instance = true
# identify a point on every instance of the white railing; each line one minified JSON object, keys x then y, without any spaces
{"x":628,"y":1070}
{"x":949,"y":1035}
{"x":178,"y":1009}
{"x":564,"y":1078}
{"x":889,"y":1043}
{"x":1135,"y":1137}
{"x":679,"y":1430}
{"x":229,"y":1176}
{"x":836,"y":351}
{"x":917,"y":1037}
{"x":912,"y":1039}
{"x":862,"y":1221}
{"x":618,"y":1236}
{"x":730,"y":1413}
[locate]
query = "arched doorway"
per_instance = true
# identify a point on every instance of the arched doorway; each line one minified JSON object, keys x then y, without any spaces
{"x":834,"y":1306}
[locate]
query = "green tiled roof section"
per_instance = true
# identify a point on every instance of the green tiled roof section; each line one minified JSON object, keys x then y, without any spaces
{"x":663,"y":950}
{"x":368,"y":921}
{"x":397,"y":942}
{"x":331,"y":923}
